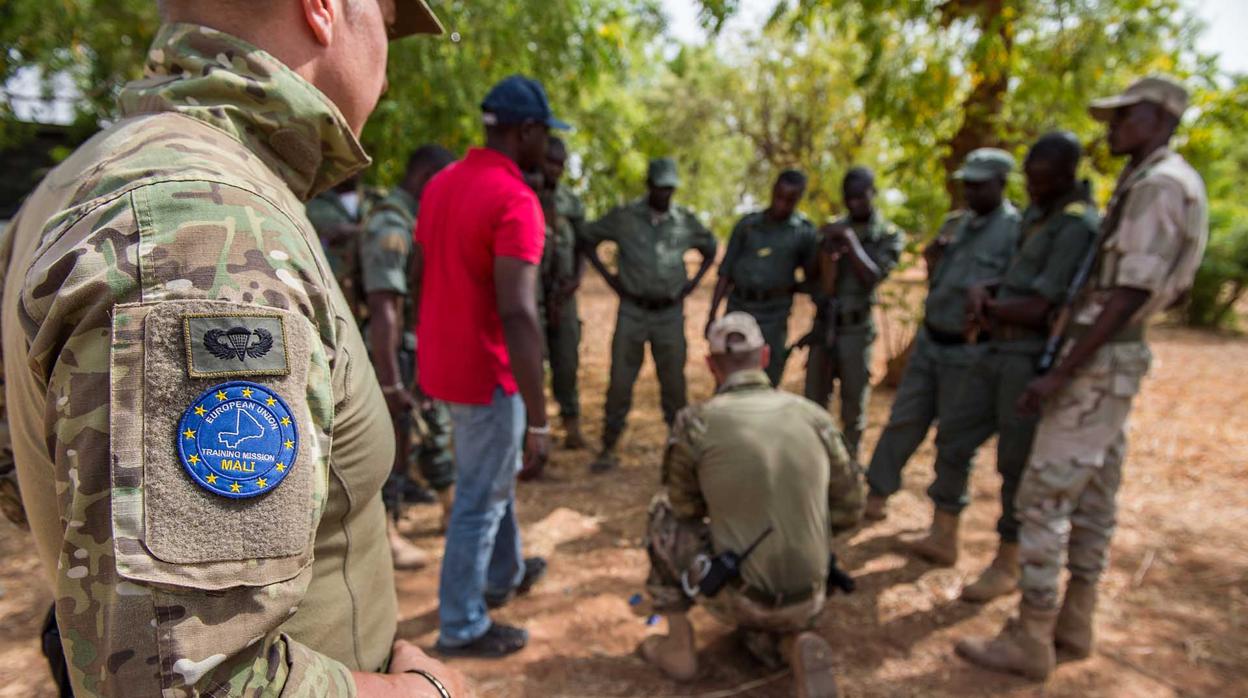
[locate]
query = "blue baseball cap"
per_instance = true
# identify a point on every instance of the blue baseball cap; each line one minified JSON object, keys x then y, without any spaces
{"x":517,"y":99}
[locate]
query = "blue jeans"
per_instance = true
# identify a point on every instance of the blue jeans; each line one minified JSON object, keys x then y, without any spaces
{"x":483,"y":538}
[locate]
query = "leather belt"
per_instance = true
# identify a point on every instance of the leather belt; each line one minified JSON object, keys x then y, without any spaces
{"x":951,"y":339}
{"x":752,"y":296}
{"x":653,"y":303}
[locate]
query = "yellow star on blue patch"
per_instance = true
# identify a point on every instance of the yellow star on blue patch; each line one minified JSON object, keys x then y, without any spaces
{"x":221,"y":395}
{"x":246,"y":392}
{"x":212,"y":479}
{"x":236,"y":487}
{"x":190,"y":434}
{"x":285,"y":421}
{"x":281,"y":467}
{"x":200,"y":411}
{"x":261,"y":483}
{"x":270,"y":402}
{"x":290,"y":444}
{"x":194,"y":459}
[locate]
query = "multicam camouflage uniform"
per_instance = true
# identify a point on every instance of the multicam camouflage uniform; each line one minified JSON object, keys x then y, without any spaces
{"x":189,"y":209}
{"x":803,"y":483}
{"x":1067,"y":500}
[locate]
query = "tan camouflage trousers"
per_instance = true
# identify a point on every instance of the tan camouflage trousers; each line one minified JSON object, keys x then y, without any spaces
{"x":673,"y":543}
{"x":1068,"y":497}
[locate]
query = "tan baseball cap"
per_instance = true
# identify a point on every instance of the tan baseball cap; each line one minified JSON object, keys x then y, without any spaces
{"x":1159,"y":89}
{"x":735,"y":333}
{"x":414,"y":17}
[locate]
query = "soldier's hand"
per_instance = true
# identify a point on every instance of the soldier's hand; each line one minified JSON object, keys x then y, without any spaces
{"x":407,"y":657}
{"x":398,"y":401}
{"x":536,"y":452}
{"x":1040,"y":390}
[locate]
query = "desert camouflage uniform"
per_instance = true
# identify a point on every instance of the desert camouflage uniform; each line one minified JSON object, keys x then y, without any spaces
{"x":192,"y":205}
{"x":803,"y":483}
{"x":385,"y":247}
{"x":1067,"y":500}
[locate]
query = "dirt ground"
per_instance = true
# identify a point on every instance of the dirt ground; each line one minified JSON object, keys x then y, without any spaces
{"x":1175,"y":601}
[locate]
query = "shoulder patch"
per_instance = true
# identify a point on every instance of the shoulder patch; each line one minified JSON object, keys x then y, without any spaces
{"x":234,"y":346}
{"x":238,"y":440}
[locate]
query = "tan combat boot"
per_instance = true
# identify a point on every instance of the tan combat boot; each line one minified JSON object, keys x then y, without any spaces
{"x":1024,"y":646}
{"x":573,"y":440}
{"x":814,"y":675}
{"x":999,"y":579}
{"x":877,"y":508}
{"x":1073,"y":635}
{"x":406,"y":555}
{"x":446,"y":498}
{"x":940,"y":545}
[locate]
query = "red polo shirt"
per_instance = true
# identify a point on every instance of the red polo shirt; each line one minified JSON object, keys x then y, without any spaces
{"x":470,"y":213}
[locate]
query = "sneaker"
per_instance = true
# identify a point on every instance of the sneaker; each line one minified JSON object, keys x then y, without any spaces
{"x":499,"y":641}
{"x":534,"y":570}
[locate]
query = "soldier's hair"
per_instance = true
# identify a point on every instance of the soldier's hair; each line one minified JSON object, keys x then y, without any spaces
{"x":857,"y":178}
{"x":1061,"y":148}
{"x":429,"y":156}
{"x":792,"y":178}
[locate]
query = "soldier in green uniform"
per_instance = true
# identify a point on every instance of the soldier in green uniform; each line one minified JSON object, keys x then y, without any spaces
{"x":337,"y":215}
{"x":563,"y":322}
{"x":759,"y":271}
{"x":972,"y":248}
{"x":1012,"y":316}
{"x":750,"y":460}
{"x":199,"y":437}
{"x":384,"y":251}
{"x":1151,"y":244}
{"x":865,"y":248}
{"x":652,"y":236}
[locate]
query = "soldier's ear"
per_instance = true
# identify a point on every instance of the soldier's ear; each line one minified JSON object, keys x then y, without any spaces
{"x":320,"y":16}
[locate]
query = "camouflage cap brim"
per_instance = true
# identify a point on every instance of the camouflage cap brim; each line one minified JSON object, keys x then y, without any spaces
{"x":414,"y":17}
{"x":1103,"y":109}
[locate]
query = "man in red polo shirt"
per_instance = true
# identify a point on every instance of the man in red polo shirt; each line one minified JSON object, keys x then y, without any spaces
{"x":478,"y":242}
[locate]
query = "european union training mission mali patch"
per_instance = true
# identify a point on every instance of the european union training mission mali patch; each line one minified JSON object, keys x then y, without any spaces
{"x":238,"y":440}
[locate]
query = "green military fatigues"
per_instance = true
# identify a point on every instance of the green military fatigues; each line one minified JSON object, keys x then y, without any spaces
{"x":186,"y":213}
{"x":749,"y":458}
{"x":980,"y":251}
{"x":653,"y":276}
{"x":326,"y":212}
{"x":384,"y":250}
{"x":849,"y":361}
{"x":1051,"y":245}
{"x":762,"y":259}
{"x":563,"y":334}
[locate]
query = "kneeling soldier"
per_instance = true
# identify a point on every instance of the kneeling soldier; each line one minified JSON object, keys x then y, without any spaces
{"x":750,"y":461}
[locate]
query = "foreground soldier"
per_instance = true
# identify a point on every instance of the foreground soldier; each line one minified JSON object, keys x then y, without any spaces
{"x":1155,"y":232}
{"x":1014,"y":311}
{"x":867,"y":248}
{"x":750,"y":459}
{"x":972,"y":248}
{"x":652,"y":236}
{"x":566,"y":214}
{"x":200,"y":442}
{"x":384,"y":252}
{"x":758,"y":272}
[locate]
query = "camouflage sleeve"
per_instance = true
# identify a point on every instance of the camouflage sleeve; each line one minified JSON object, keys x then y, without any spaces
{"x":733,"y":252}
{"x":167,"y":585}
{"x":680,"y":465}
{"x":701,"y":239}
{"x":887,"y":254}
{"x":384,"y":250}
{"x":605,"y":229}
{"x":10,"y":495}
{"x":845,"y":487}
{"x":1069,"y":246}
{"x":1151,"y":234}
